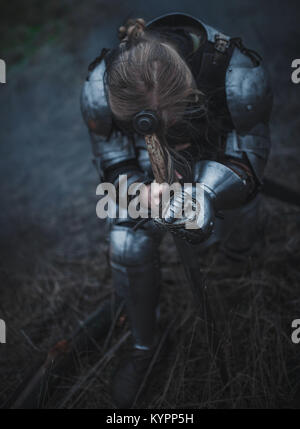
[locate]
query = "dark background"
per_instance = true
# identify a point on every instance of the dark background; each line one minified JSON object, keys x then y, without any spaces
{"x":53,"y":268}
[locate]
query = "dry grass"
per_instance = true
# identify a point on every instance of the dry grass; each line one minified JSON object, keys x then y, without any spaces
{"x":253,"y":313}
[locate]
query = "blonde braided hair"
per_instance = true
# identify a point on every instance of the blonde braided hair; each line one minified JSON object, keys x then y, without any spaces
{"x":132,"y":30}
{"x":130,"y":33}
{"x":149,"y":73}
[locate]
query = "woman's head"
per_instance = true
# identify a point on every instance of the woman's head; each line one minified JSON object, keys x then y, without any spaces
{"x":148,"y":73}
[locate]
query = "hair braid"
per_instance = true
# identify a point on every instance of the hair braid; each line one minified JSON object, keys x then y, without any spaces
{"x":132,"y":31}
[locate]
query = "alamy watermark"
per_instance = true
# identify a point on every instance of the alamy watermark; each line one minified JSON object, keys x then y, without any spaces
{"x":179,"y":201}
{"x":296,"y":73}
{"x":2,"y":71}
{"x":2,"y":332}
{"x":296,"y":333}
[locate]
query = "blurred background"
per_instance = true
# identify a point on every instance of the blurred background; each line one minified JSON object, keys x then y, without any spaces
{"x":52,"y":246}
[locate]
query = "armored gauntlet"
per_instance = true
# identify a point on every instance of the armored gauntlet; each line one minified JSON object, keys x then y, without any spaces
{"x":190,"y":212}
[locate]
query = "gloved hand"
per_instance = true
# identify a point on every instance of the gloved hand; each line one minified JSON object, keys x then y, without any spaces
{"x":189,"y":213}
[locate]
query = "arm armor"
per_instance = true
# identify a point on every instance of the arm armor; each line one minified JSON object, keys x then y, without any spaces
{"x":226,"y":189}
{"x":249,"y":99}
{"x":114,"y":153}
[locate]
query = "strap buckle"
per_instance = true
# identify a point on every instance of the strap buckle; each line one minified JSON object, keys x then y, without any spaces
{"x":222,"y":43}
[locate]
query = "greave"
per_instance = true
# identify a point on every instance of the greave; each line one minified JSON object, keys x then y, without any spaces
{"x":136,"y":276}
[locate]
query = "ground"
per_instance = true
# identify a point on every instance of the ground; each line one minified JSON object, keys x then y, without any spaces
{"x":53,"y":251}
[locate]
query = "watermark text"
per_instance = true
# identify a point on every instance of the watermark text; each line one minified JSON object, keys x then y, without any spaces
{"x":296,"y":73}
{"x":296,"y":332}
{"x":2,"y":332}
{"x":179,"y":201}
{"x":2,"y":71}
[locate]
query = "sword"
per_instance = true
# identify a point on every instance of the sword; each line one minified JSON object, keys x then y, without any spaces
{"x":193,"y":272}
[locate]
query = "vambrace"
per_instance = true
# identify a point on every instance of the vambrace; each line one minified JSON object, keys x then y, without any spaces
{"x":254,"y":145}
{"x":115,"y":158}
{"x":112,"y":152}
{"x":225,"y":188}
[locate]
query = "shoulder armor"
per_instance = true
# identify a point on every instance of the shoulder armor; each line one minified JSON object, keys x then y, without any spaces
{"x":185,"y":20}
{"x":248,"y":92}
{"x":94,"y":107}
